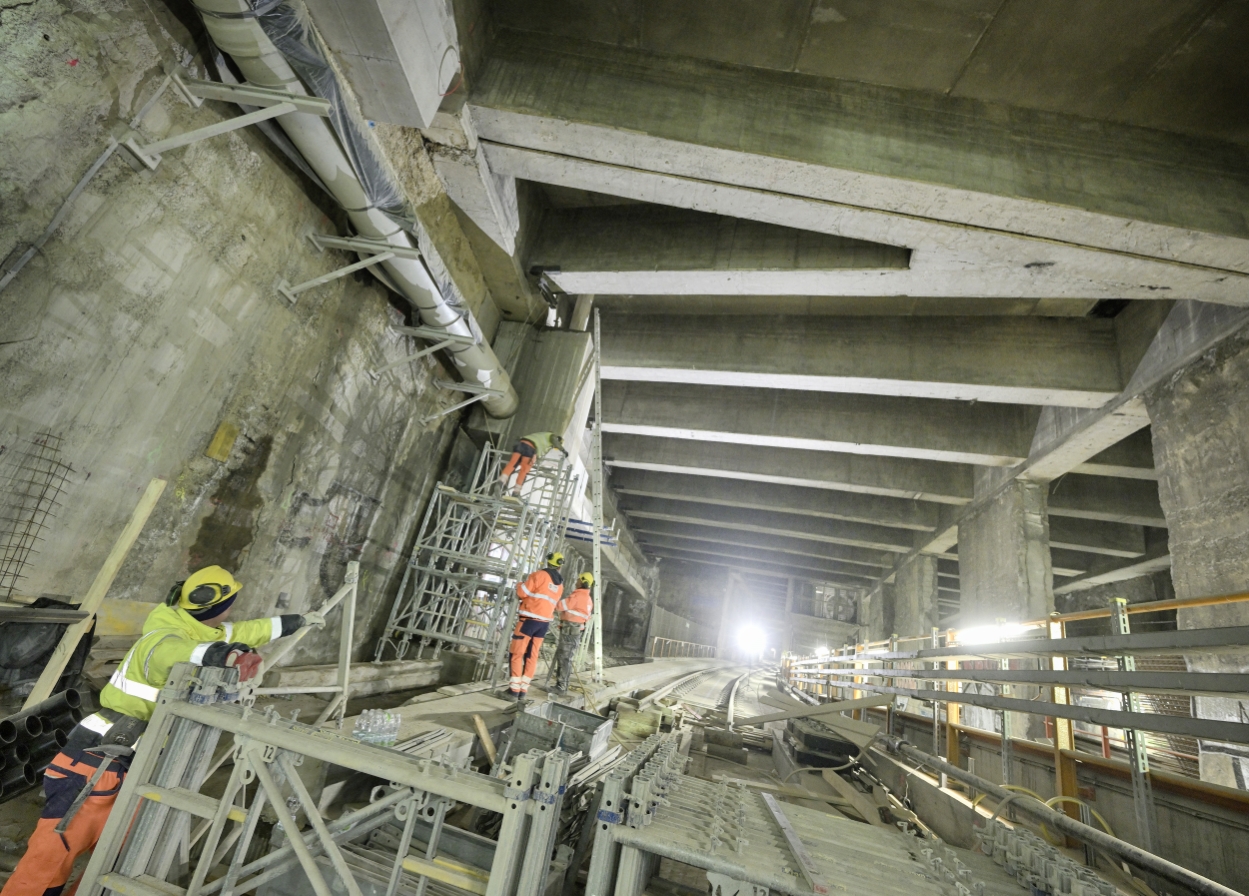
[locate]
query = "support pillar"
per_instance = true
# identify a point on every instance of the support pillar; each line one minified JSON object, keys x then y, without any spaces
{"x":915,"y":597}
{"x":1005,"y":573}
{"x":1003,"y":555}
{"x":1199,"y":419}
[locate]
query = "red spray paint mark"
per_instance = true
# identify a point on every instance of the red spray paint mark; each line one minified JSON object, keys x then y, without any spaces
{"x":73,"y":62}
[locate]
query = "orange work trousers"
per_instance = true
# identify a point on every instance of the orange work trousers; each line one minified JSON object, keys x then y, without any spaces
{"x":49,"y":859}
{"x":523,"y":454}
{"x":526,"y":645}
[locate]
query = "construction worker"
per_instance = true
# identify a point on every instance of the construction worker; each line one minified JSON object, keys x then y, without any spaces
{"x":574,"y":612}
{"x":538,"y":595}
{"x":525,"y":452}
{"x":82,"y":781}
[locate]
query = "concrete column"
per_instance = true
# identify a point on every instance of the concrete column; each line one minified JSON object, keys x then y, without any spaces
{"x":1199,"y":422}
{"x":1004,"y":557}
{"x":788,"y":643}
{"x":915,"y":597}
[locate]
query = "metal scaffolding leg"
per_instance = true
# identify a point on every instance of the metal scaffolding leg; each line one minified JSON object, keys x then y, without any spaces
{"x":1138,"y":756}
{"x":596,"y":492}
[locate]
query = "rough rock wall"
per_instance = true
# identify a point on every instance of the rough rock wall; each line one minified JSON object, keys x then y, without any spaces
{"x":151,"y":318}
{"x":1200,"y":419}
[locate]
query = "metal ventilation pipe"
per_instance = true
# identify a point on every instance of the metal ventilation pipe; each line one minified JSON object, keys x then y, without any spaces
{"x":236,"y":31}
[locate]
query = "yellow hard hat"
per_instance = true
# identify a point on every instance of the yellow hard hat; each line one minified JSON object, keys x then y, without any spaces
{"x":208,"y":587}
{"x":585,"y":580}
{"x":555,"y":558}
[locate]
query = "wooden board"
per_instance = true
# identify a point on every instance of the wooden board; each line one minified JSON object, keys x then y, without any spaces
{"x":95,"y":594}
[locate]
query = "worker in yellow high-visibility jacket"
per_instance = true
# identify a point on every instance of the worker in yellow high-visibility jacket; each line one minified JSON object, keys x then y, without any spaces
{"x":82,"y":781}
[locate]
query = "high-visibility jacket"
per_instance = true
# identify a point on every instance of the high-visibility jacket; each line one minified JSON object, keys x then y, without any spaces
{"x":171,"y":635}
{"x":541,"y":442}
{"x":576,"y":607}
{"x":540,"y":593}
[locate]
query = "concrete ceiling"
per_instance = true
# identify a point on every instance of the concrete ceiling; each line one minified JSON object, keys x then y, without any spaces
{"x":857,"y":259}
{"x":1167,"y":64}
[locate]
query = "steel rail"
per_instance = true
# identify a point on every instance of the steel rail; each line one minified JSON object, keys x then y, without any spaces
{"x":1198,"y":640}
{"x":1133,"y":855}
{"x":1181,"y":683}
{"x":1205,"y":729}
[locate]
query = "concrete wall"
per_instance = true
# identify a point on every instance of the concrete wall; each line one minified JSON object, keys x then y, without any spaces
{"x":1199,"y":422}
{"x":151,"y":318}
{"x":693,"y":591}
{"x":665,"y":624}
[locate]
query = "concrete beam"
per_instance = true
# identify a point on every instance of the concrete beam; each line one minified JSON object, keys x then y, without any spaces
{"x":876,"y":538}
{"x":996,"y":201}
{"x":1070,"y":563}
{"x":945,"y":431}
{"x":778,"y":570}
{"x":894,"y":512}
{"x":1068,"y":362}
{"x":1105,"y":574}
{"x":633,"y":249}
{"x":1094,"y":537}
{"x":949,"y":484}
{"x":1112,"y":500}
{"x":711,"y":536}
{"x":758,"y":555}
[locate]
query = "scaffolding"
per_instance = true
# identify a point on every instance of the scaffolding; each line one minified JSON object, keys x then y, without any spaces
{"x":473,"y":547}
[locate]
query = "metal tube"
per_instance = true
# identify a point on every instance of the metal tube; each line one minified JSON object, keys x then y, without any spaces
{"x":1146,"y":861}
{"x":297,"y":842}
{"x":345,"y":828}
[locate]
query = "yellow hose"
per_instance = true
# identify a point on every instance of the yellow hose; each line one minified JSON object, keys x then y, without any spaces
{"x":1036,"y":796}
{"x":1071,"y":799}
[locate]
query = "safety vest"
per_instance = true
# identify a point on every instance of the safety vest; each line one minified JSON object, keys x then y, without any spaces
{"x":170,"y":636}
{"x":541,"y":442}
{"x":576,"y":607}
{"x":539,"y":594}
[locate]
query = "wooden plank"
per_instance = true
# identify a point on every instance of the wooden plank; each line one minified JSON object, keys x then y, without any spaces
{"x":24,"y":614}
{"x":863,"y":804}
{"x":95,"y":594}
{"x":487,"y":742}
{"x":822,"y":709}
{"x":122,"y":618}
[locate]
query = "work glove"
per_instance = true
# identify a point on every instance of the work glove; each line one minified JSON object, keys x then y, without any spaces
{"x":316,"y":620}
{"x":233,"y":655}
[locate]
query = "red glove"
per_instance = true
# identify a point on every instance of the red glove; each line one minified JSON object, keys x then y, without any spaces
{"x":248,"y":664}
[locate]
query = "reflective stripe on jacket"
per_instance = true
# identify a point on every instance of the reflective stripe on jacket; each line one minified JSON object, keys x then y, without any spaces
{"x":541,"y":442}
{"x":539,"y":594}
{"x":170,"y":636}
{"x":576,"y":607}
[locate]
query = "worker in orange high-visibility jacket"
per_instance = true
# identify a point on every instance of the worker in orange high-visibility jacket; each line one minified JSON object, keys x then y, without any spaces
{"x":538,"y":594}
{"x":82,"y":781}
{"x":527,"y":449}
{"x":574,"y":612}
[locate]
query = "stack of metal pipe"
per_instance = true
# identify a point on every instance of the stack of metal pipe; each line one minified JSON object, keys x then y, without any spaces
{"x":31,"y":738}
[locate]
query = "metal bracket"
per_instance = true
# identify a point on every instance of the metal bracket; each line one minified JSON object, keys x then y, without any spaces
{"x":195,"y":91}
{"x":470,"y":388}
{"x":363,"y":246}
{"x":440,"y":339}
{"x":272,"y":103}
{"x":291,"y":291}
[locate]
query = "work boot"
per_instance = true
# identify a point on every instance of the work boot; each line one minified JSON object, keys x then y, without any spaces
{"x":516,"y":492}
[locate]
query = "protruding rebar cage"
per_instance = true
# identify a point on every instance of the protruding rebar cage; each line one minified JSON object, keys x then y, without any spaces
{"x":473,"y":547}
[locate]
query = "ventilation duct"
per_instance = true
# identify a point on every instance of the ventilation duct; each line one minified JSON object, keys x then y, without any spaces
{"x":274,"y":49}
